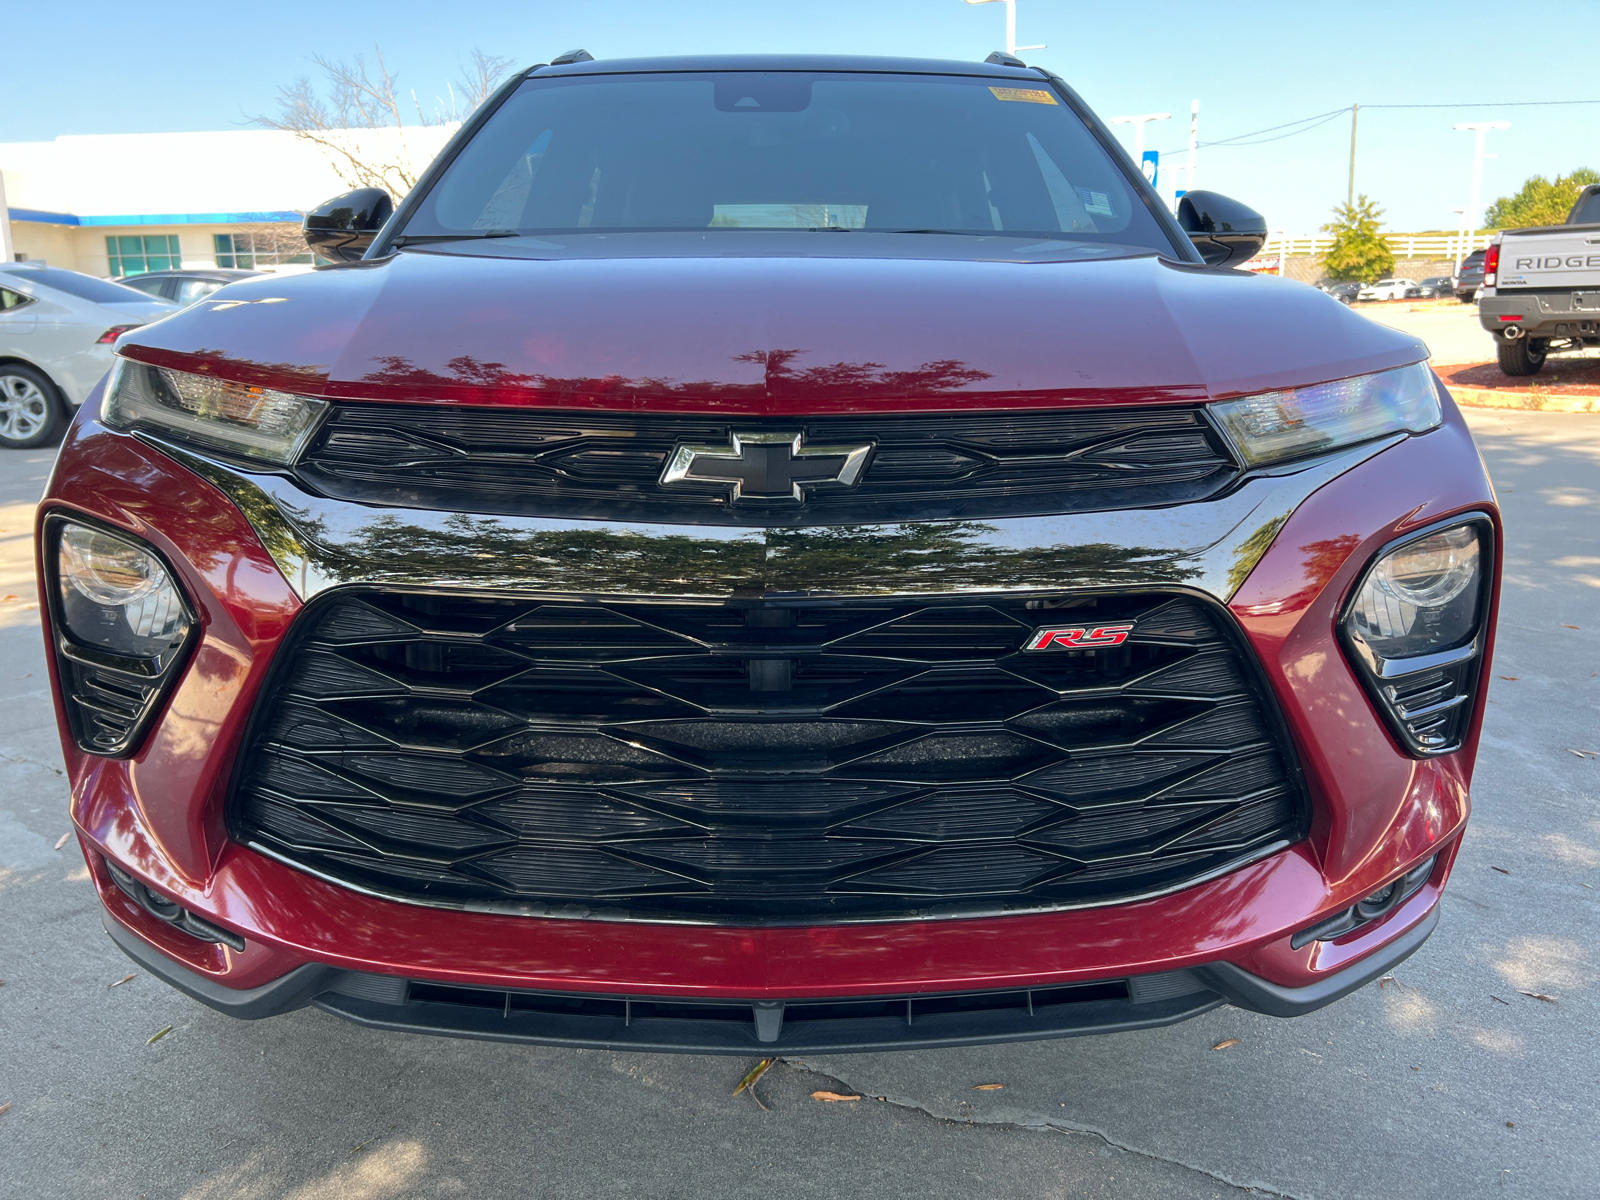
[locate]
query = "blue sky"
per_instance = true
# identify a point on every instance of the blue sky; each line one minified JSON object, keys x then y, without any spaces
{"x":98,"y":67}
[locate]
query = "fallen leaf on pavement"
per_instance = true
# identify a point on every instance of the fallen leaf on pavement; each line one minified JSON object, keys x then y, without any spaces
{"x":1569,"y":627}
{"x":3,"y":599}
{"x":120,"y":982}
{"x":1590,"y":886}
{"x":1538,"y":996}
{"x":1511,"y":678}
{"x":831,"y":1097}
{"x":1387,"y":980}
{"x":1511,"y":1124}
{"x":988,"y":1087}
{"x":756,"y":1072}
{"x":62,"y":840}
{"x":4,"y":1108}
{"x":1223,"y":1045}
{"x":159,"y":1036}
{"x":1502,"y":870}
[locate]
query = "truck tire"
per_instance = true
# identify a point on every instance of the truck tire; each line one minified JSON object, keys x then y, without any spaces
{"x":1524,"y":356}
{"x":32,"y":410}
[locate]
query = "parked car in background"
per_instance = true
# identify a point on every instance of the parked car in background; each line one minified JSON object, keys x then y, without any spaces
{"x":1387,"y":289}
{"x":1344,"y":291}
{"x":1470,"y":277}
{"x":1435,"y":286}
{"x":57,"y":328}
{"x":187,"y":285}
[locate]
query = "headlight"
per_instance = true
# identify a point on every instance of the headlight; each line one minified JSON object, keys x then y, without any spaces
{"x":1415,"y":629}
{"x":251,"y":421}
{"x":116,"y":596}
{"x":1273,"y":426}
{"x":121,"y":629}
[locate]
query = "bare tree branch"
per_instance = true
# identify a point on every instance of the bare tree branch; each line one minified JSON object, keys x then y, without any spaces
{"x":357,"y":122}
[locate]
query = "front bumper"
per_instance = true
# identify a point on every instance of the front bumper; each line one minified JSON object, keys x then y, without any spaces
{"x":1282,"y":558}
{"x":710,"y":1026}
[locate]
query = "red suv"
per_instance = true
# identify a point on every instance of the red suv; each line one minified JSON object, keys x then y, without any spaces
{"x":771,"y":555}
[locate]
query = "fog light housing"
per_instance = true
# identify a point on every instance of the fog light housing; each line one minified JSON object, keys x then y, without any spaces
{"x":1380,"y":903}
{"x":122,"y":627}
{"x":1415,"y":628}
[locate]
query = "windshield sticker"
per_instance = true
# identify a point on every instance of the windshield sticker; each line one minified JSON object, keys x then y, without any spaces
{"x":1096,"y":202}
{"x":788,"y":216}
{"x":1024,"y":95}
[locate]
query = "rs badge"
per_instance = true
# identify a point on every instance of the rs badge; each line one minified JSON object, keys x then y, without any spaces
{"x":1079,"y":637}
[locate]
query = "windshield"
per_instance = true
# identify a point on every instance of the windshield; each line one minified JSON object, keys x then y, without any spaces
{"x":84,"y":287}
{"x":790,"y":151}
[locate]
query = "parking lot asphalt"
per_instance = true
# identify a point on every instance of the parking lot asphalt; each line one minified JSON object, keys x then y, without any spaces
{"x":1450,"y":328}
{"x":1455,"y":1079}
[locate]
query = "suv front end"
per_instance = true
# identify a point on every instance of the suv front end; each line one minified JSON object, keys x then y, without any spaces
{"x":770,"y":641}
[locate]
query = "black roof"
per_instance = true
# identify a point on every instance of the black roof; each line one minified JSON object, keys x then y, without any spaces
{"x":790,"y":62}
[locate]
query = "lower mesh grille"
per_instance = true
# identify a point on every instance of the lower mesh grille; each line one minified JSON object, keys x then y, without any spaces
{"x":763,"y":761}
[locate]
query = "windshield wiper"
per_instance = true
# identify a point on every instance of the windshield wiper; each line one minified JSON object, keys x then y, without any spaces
{"x":418,"y":239}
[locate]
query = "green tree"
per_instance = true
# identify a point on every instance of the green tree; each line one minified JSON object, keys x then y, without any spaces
{"x":1540,"y":202}
{"x":1358,"y":251}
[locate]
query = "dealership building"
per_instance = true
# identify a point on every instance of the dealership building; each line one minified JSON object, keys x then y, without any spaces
{"x":115,"y":205}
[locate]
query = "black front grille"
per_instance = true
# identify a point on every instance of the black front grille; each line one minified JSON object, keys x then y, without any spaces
{"x":922,"y":467}
{"x":760,"y":761}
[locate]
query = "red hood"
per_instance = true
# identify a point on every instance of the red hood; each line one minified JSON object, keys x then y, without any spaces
{"x":764,"y":335}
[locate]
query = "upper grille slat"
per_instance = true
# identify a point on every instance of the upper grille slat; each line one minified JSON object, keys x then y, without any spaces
{"x":609,"y":466}
{"x":910,"y":756}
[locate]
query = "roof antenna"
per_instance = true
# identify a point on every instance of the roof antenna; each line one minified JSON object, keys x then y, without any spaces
{"x":1001,"y":59}
{"x":570,"y":57}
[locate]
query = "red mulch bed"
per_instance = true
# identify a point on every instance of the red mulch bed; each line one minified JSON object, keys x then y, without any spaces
{"x":1580,"y":377}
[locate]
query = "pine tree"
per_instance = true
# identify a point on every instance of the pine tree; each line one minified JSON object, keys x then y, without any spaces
{"x":1358,"y":252}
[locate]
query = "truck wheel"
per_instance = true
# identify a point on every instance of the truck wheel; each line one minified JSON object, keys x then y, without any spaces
{"x":1524,"y":356}
{"x":32,"y":411}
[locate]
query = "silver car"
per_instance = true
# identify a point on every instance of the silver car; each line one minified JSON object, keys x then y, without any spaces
{"x":57,"y":329}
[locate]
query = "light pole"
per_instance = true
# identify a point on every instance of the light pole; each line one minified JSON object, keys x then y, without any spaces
{"x":1011,"y":26}
{"x":1461,"y":245}
{"x":1194,"y":139}
{"x":1481,"y":128}
{"x":1138,"y":124}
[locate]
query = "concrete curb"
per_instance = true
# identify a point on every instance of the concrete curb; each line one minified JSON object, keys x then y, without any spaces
{"x":1535,"y":399}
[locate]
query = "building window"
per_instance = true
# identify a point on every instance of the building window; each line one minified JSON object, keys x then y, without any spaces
{"x":136,"y":255}
{"x":255,"y":251}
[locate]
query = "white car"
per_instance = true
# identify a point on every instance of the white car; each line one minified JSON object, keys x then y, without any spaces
{"x":1387,"y":289}
{"x":57,"y":329}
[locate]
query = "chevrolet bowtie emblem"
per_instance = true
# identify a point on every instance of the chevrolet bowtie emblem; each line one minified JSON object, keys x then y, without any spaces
{"x":767,"y":466}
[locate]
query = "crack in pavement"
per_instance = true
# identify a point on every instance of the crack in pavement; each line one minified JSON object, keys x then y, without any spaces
{"x":1024,"y":1119}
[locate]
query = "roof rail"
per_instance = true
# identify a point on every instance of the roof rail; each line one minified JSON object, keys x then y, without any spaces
{"x":1001,"y":59}
{"x":571,"y":56}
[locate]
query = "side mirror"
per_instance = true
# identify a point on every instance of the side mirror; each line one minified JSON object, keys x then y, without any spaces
{"x":343,"y":228}
{"x":1224,"y":231}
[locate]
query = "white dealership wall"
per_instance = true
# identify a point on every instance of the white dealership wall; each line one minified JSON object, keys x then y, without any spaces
{"x":66,"y":196}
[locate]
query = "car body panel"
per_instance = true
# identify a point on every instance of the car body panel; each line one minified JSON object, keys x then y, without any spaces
{"x":772,"y":336}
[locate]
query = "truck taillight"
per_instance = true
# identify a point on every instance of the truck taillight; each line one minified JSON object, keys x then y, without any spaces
{"x":1491,"y":264}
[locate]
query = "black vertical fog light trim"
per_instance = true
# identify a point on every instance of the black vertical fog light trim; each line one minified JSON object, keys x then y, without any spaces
{"x":1427,"y":698}
{"x":111,"y":698}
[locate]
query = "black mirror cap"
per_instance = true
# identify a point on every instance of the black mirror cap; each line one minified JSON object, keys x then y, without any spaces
{"x":1225,"y":232}
{"x":343,"y":228}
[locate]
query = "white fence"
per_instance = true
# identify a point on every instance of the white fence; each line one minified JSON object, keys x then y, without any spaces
{"x":1404,"y":245}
